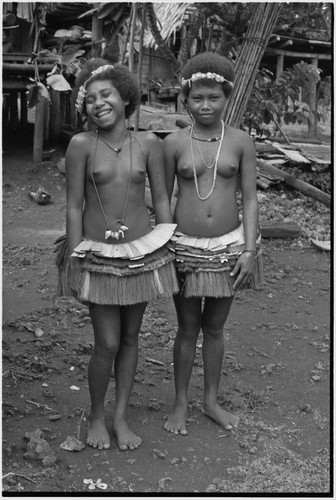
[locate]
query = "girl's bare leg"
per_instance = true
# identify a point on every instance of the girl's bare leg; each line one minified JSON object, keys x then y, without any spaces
{"x":215,"y":313}
{"x":125,"y":369}
{"x":189,"y":324}
{"x":106,"y":327}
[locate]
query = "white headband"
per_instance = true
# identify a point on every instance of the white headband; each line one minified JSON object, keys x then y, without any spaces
{"x":82,"y":90}
{"x":202,"y":76}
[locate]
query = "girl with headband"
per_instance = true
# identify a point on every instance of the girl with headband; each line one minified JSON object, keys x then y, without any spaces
{"x":217,"y":250}
{"x":118,"y":260}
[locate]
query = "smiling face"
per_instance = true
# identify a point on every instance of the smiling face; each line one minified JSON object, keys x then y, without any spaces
{"x":206,"y":103}
{"x":103,"y":103}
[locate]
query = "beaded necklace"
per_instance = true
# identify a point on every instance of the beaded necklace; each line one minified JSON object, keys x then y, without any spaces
{"x":215,"y":164}
{"x":192,"y":131}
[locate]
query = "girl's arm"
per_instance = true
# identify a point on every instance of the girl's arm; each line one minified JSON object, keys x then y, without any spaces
{"x":75,"y":165}
{"x":155,"y":171}
{"x":169,"y":144}
{"x":248,"y":175}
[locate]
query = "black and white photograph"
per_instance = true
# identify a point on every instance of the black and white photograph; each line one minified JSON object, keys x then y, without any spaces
{"x":167,"y":249}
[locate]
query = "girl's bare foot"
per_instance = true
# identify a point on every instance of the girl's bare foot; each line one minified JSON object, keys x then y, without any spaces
{"x":176,"y":421}
{"x":126,"y":438}
{"x":98,"y":436}
{"x":222,"y":417}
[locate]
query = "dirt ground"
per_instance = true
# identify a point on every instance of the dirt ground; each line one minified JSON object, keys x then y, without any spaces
{"x":276,"y":375}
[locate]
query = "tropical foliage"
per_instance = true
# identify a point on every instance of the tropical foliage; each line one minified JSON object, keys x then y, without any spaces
{"x":286,"y":99}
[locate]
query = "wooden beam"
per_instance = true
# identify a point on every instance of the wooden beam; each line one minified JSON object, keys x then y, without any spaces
{"x":297,"y":54}
{"x":273,"y":40}
{"x":25,"y":69}
{"x":14,"y":85}
{"x":286,"y":44}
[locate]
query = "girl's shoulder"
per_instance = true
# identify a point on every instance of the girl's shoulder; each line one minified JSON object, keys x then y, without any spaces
{"x":238,"y":135}
{"x":146,"y":140}
{"x":83,"y":139}
{"x":177,"y":136}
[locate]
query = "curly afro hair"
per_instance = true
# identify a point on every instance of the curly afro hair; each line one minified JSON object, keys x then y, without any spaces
{"x":118,"y":75}
{"x":209,"y":62}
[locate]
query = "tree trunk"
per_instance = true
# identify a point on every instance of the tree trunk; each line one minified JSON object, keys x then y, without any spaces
{"x":259,"y":31}
{"x":139,"y":69}
{"x":132,"y":37}
{"x":152,"y":24}
{"x":189,"y":39}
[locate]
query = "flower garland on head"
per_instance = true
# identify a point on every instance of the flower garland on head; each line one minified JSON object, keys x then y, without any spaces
{"x":82,"y":89}
{"x":202,"y":76}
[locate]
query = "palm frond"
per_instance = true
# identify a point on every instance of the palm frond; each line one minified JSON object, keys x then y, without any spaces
{"x":170,"y":16}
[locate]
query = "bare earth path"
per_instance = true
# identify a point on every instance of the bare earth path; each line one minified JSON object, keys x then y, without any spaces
{"x":275,"y":377}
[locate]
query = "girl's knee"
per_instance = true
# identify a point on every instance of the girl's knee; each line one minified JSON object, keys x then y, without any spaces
{"x":129,"y":338}
{"x":213,"y":330}
{"x":107,"y":348}
{"x":189,"y":332}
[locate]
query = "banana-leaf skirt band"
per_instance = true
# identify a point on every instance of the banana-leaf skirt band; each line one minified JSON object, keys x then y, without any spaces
{"x":204,"y":264}
{"x":119,"y":274}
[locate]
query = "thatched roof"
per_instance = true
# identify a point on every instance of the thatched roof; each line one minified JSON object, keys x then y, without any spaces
{"x":170,"y":17}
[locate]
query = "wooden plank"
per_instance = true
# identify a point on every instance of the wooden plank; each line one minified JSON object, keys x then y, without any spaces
{"x":296,"y":183}
{"x":279,"y":230}
{"x":292,"y":154}
{"x":300,"y":55}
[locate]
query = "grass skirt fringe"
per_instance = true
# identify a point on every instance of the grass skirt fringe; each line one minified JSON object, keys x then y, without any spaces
{"x":215,"y":283}
{"x":204,"y":264}
{"x":114,"y":281}
{"x":101,"y":288}
{"x":65,"y":268}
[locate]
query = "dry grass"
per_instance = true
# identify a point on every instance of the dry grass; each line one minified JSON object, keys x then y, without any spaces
{"x":279,"y":470}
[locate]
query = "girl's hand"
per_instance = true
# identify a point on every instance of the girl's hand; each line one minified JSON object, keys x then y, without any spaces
{"x":244,"y":266}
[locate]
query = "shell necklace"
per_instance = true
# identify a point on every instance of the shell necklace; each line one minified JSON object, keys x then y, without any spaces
{"x":120,"y":233}
{"x":215,"y":163}
{"x":116,"y":150}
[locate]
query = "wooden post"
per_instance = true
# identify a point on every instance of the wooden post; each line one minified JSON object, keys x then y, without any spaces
{"x":140,"y":62}
{"x":5,"y":111}
{"x":23,"y":110}
{"x":46,"y":113}
{"x":38,"y":130}
{"x":55,"y":116}
{"x":13,"y":111}
{"x":132,"y":37}
{"x":280,"y":66}
{"x":312,"y":119}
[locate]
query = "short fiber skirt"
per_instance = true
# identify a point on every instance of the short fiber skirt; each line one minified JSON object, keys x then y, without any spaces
{"x":204,"y":264}
{"x":119,"y":274}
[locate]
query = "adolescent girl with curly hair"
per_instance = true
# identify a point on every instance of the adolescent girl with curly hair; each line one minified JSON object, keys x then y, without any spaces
{"x":216,"y":251}
{"x":118,"y":261}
